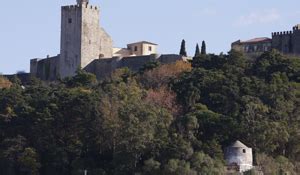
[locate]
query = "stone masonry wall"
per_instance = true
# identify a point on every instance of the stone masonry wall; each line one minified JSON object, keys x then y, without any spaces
{"x":106,"y":44}
{"x":70,"y":44}
{"x":296,"y":42}
{"x":135,"y":63}
{"x":45,"y":69}
{"x":95,"y":42}
{"x":82,"y":38}
{"x":104,"y":67}
{"x":282,"y":42}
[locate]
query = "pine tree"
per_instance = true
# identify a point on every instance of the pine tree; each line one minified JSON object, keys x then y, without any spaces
{"x":197,"y":52}
{"x":203,"y":48}
{"x":182,"y":49}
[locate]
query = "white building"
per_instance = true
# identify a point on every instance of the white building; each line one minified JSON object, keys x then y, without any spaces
{"x":141,"y":48}
{"x":240,"y":156}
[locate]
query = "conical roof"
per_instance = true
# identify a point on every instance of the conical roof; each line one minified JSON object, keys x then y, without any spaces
{"x":238,"y":144}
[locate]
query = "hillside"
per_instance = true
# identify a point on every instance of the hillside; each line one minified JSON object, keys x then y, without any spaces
{"x":4,"y":82}
{"x":165,"y":119}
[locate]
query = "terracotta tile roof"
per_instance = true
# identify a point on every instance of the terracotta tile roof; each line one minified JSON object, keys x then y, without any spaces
{"x":143,"y":42}
{"x":256,"y":40}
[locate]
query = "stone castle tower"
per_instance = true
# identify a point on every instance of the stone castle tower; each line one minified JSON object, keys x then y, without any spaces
{"x":82,"y":38}
{"x":85,"y":45}
{"x":287,"y":42}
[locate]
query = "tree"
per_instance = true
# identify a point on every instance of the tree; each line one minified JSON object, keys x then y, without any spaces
{"x":182,"y":49}
{"x":197,"y":52}
{"x":178,"y":167}
{"x":203,"y":48}
{"x":4,"y":82}
{"x":204,"y":164}
{"x":151,"y":167}
{"x":166,"y":119}
{"x":29,"y":161}
{"x":130,"y":126}
{"x":149,"y":66}
{"x":81,"y":78}
{"x":165,"y":98}
{"x":24,"y":159}
{"x":161,"y":76}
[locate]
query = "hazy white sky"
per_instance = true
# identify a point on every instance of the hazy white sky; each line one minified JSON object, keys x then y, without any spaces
{"x":31,"y":28}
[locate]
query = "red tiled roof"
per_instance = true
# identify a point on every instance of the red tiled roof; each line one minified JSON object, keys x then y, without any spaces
{"x":143,"y":42}
{"x":256,"y":40}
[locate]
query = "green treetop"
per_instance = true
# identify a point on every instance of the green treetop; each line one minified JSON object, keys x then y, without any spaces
{"x":203,"y":48}
{"x":197,"y":52}
{"x":182,"y":49}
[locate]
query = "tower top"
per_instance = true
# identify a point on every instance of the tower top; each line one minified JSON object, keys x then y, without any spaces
{"x":82,"y":1}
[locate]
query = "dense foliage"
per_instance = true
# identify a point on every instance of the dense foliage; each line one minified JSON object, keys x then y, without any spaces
{"x":197,"y":50}
{"x":165,"y":119}
{"x":4,"y":82}
{"x":182,"y":51}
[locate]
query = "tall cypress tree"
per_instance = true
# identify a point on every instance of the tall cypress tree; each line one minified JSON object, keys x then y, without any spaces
{"x":203,"y":48}
{"x":197,"y":52}
{"x":182,"y":49}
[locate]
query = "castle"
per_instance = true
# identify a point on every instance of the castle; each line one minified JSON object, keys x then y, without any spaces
{"x":86,"y":45}
{"x":287,"y":42}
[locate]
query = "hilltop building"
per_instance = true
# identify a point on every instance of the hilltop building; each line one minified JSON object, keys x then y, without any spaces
{"x":287,"y":42}
{"x":136,"y":49}
{"x":239,"y":157}
{"x":254,"y":46}
{"x":86,"y":45}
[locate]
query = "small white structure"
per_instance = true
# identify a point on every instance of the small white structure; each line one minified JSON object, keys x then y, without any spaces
{"x":240,"y":156}
{"x":141,"y":48}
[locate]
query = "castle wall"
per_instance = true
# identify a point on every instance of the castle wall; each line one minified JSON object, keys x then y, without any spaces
{"x":296,"y":41}
{"x":282,"y":41}
{"x":45,"y":69}
{"x":104,"y":67}
{"x":170,"y":58}
{"x":135,"y":63}
{"x":33,"y":66}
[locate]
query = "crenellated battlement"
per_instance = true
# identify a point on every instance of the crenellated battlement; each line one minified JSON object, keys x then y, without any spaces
{"x":79,"y":6}
{"x":70,"y":7}
{"x":297,"y":27}
{"x":282,"y":33}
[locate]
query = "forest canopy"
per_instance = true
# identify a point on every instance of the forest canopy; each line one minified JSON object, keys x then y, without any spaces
{"x":165,"y":119}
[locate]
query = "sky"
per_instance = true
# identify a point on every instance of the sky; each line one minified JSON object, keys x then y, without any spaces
{"x":31,"y":28}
